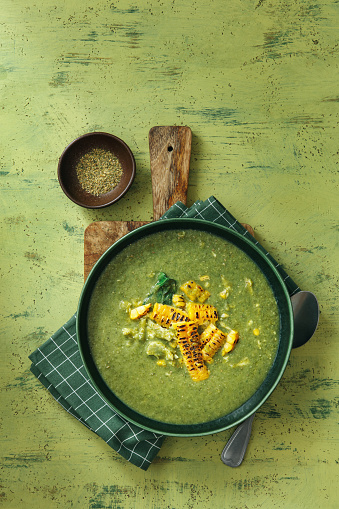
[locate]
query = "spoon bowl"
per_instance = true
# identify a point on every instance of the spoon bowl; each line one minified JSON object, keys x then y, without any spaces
{"x":306,"y":317}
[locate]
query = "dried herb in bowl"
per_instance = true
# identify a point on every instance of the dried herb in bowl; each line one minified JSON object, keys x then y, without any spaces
{"x":99,"y":171}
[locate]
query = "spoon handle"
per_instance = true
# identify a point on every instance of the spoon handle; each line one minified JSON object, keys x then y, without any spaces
{"x":234,"y":450}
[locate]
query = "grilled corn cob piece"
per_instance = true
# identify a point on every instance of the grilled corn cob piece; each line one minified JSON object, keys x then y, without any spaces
{"x":208,"y":334}
{"x":166,"y":315}
{"x":189,"y":344}
{"x":201,"y":313}
{"x":140,"y":311}
{"x":178,"y":301}
{"x":231,"y":341}
{"x":195,"y":291}
{"x":211,"y":339}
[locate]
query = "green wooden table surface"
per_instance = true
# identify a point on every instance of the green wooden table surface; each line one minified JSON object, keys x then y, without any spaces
{"x":257,"y":82}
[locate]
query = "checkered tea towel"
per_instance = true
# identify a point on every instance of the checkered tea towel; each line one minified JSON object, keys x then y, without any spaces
{"x":58,"y":366}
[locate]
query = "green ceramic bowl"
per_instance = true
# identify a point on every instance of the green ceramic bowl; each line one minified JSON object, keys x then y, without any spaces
{"x":285,"y":340}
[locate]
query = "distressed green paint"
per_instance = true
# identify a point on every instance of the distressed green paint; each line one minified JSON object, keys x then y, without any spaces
{"x":257,"y":84}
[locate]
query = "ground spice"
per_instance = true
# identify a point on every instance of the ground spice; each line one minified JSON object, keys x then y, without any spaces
{"x":98,"y":171}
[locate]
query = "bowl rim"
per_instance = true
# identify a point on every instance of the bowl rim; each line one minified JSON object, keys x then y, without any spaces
{"x":70,"y":146}
{"x":208,"y":427}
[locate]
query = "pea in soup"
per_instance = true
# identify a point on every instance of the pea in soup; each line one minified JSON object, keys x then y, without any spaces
{"x":183,"y":326}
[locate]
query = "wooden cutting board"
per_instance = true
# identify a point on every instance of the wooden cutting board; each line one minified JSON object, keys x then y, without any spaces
{"x":170,"y":153}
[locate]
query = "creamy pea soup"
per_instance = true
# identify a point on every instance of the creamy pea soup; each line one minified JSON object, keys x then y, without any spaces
{"x":141,"y":360}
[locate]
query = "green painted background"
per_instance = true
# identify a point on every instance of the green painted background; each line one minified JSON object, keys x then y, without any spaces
{"x":257,"y":82}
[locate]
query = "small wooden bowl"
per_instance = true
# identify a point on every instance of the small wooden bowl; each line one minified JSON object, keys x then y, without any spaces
{"x":71,"y":156}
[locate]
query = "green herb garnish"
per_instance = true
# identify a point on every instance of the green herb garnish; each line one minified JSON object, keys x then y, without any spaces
{"x":162,"y":291}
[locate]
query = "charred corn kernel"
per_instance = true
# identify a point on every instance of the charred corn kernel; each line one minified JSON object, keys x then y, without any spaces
{"x":187,"y":328}
{"x":204,"y":278}
{"x":249,"y":284}
{"x":161,"y":362}
{"x":256,"y":332}
{"x":166,"y":315}
{"x":212,"y":339}
{"x":207,"y":334}
{"x":231,"y":340}
{"x":139,"y":311}
{"x":232,"y":337}
{"x":226,"y":349}
{"x":195,"y":291}
{"x":189,"y":344}
{"x":224,"y":294}
{"x":201,"y":313}
{"x":178,"y":301}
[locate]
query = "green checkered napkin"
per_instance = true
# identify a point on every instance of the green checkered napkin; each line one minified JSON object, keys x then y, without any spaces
{"x":58,"y":365}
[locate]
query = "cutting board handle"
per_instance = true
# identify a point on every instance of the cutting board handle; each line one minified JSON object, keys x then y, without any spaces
{"x":170,"y":154}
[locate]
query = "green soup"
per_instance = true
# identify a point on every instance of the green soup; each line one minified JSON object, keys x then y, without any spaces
{"x":132,"y":355}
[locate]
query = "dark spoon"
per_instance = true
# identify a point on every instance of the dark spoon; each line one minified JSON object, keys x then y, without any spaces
{"x":306,"y":317}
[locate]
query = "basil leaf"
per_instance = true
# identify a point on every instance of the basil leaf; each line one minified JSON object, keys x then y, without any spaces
{"x":162,"y":291}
